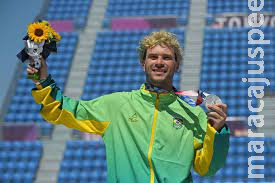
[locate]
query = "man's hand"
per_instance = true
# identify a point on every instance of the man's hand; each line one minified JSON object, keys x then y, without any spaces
{"x":217,"y":115}
{"x":43,"y":71}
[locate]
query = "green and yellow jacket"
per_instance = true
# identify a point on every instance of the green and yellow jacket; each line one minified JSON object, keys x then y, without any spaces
{"x":149,"y":137}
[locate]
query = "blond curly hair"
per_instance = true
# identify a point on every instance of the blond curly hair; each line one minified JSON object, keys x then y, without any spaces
{"x":160,"y":38}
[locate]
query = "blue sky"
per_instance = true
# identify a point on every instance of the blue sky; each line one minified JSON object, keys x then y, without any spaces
{"x":15,"y":15}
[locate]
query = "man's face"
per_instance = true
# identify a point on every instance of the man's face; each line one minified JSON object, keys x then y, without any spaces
{"x":160,"y":66}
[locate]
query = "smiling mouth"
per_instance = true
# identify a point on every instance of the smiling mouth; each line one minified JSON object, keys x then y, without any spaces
{"x":159,"y":70}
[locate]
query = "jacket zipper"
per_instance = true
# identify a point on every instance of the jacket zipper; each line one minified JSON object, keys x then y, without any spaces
{"x":152,"y":173}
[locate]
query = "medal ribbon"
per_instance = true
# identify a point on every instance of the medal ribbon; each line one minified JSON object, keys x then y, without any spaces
{"x":191,"y":93}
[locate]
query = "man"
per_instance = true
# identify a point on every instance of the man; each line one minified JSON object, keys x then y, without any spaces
{"x":151,"y":135}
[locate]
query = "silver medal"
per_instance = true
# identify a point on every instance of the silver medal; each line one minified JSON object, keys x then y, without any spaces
{"x":201,"y":97}
{"x":211,"y":99}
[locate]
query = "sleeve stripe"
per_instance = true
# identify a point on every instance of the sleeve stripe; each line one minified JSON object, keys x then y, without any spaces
{"x":213,"y":155}
{"x":204,"y":156}
{"x":51,"y":112}
{"x":197,"y":145}
{"x":221,"y":145}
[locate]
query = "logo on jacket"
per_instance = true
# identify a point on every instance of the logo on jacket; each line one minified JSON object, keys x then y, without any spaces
{"x":133,"y":118}
{"x":177,"y":123}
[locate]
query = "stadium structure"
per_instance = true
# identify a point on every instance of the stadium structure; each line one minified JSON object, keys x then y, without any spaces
{"x":97,"y":55}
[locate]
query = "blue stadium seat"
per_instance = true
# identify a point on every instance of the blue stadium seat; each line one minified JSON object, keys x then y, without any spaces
{"x":236,"y":6}
{"x":225,"y":57}
{"x":83,"y":161}
{"x":19,"y":161}
{"x":138,"y":8}
{"x":77,"y":11}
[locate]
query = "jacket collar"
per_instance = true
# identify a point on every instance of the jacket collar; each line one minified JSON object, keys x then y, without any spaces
{"x":151,"y":96}
{"x":166,"y":97}
{"x":156,"y":89}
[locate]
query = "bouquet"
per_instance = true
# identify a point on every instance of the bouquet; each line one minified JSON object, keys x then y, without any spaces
{"x":40,"y":41}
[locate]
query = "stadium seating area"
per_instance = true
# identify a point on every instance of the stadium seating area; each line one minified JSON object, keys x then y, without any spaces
{"x":128,"y":8}
{"x":115,"y":64}
{"x":225,"y":63}
{"x":152,"y":8}
{"x":236,"y":6}
{"x":19,"y":161}
{"x":22,"y":107}
{"x":77,"y":11}
{"x":83,"y":161}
